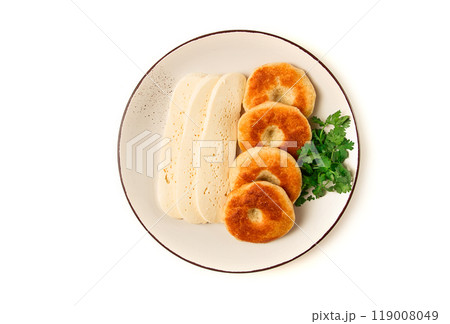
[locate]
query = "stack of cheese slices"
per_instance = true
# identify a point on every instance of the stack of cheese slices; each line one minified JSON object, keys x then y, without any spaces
{"x":254,"y":193}
{"x":203,"y":112}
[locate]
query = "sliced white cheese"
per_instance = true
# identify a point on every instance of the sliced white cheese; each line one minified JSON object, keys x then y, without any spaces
{"x":166,"y":181}
{"x":220,"y":134}
{"x":185,"y":173}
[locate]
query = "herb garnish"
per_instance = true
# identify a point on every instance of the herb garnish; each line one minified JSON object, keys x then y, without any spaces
{"x":321,"y":159}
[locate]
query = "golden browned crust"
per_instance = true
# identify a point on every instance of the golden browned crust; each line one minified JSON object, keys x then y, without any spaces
{"x":269,"y":164}
{"x":254,"y":123}
{"x":273,"y":82}
{"x":275,"y":207}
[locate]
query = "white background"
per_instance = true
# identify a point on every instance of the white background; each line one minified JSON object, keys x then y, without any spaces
{"x":71,"y":248}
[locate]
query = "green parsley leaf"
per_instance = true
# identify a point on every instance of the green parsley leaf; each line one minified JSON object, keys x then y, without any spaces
{"x":322,"y":159}
{"x":317,"y":120}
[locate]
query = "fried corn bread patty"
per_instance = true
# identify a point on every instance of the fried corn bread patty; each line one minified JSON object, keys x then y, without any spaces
{"x":280,"y":82}
{"x":258,"y":212}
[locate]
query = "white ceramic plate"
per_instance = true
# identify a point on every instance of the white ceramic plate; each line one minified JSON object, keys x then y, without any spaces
{"x":210,"y":245}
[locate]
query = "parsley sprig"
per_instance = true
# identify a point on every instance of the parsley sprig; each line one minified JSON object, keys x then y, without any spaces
{"x":321,"y":159}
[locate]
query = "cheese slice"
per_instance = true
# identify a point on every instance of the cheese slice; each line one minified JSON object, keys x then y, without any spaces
{"x":185,"y":173}
{"x":166,"y":181}
{"x":218,"y":139}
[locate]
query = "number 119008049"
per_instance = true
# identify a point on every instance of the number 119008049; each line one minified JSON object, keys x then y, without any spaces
{"x":404,"y":315}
